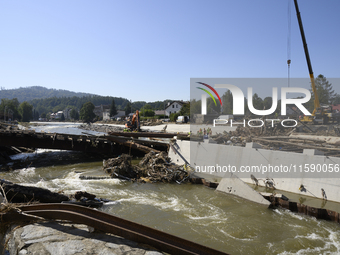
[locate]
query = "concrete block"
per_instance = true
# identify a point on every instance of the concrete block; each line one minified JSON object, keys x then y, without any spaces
{"x":312,"y":152}
{"x":253,"y":145}
{"x":231,"y":184}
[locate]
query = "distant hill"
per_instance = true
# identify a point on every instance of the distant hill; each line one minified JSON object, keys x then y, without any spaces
{"x":46,"y":100}
{"x":37,"y":92}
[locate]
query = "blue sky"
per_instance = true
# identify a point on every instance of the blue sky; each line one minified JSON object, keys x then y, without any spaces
{"x":148,"y":50}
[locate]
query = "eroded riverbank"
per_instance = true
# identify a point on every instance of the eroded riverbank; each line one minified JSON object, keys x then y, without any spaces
{"x":194,"y":212}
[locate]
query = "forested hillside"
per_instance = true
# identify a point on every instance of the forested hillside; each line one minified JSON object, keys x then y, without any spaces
{"x":46,"y":101}
{"x":55,"y":104}
{"x":37,"y":92}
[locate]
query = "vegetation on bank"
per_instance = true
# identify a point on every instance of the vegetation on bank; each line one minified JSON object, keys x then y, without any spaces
{"x":12,"y":108}
{"x":42,"y":102}
{"x":324,"y":88}
{"x":37,"y":92}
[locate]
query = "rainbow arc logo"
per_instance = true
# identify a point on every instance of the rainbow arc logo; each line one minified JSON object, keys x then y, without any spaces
{"x":209,"y":93}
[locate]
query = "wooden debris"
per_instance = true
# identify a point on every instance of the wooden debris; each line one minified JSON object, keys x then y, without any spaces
{"x":131,"y":144}
{"x":154,"y":167}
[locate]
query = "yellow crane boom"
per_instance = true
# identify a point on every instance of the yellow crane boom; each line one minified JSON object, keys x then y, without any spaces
{"x":311,"y":75}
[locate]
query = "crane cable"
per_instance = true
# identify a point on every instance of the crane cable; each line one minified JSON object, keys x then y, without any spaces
{"x":289,"y":39}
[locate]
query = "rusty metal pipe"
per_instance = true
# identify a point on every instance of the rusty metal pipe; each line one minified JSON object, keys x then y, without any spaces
{"x":118,"y":226}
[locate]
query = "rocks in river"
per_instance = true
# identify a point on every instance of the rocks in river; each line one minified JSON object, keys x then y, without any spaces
{"x":16,"y":193}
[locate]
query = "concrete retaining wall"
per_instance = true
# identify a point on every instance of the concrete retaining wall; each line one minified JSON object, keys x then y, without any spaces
{"x":318,"y":185}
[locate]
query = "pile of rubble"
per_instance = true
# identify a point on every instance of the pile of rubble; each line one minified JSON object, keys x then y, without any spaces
{"x":152,"y":168}
{"x":151,"y":122}
{"x":243,"y":135}
{"x":8,"y":126}
{"x":101,"y":128}
{"x":323,"y":138}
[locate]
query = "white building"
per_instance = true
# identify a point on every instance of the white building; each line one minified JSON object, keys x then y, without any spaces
{"x":106,"y":114}
{"x":67,"y":113}
{"x":99,"y":110}
{"x":173,"y":107}
{"x":57,"y":116}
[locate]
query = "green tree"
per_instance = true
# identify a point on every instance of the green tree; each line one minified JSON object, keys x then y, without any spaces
{"x":113,"y":109}
{"x":324,"y":89}
{"x":25,"y":109}
{"x":147,"y":106}
{"x":267,"y":103}
{"x":58,"y":108}
{"x":35,"y":114}
{"x":257,"y":102}
{"x":173,"y":116}
{"x":86,"y":112}
{"x":74,"y":114}
{"x":185,"y":110}
{"x":227,"y":102}
{"x":195,"y":107}
{"x":11,"y":106}
{"x":212,"y":108}
{"x":147,"y":113}
{"x":325,"y":93}
{"x":336,"y":99}
{"x":62,"y":118}
{"x":127,"y":108}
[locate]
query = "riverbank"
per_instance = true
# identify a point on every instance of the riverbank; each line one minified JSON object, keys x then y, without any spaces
{"x":193,"y":212}
{"x":102,"y":127}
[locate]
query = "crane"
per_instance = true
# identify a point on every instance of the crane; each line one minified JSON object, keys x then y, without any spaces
{"x":319,"y":114}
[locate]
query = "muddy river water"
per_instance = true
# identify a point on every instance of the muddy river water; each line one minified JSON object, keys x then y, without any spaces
{"x":193,"y":212}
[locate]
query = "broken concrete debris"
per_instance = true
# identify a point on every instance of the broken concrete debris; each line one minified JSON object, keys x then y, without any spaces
{"x":287,"y":139}
{"x":154,"y":167}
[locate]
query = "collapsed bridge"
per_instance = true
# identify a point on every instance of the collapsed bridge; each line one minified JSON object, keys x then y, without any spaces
{"x":109,"y":145}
